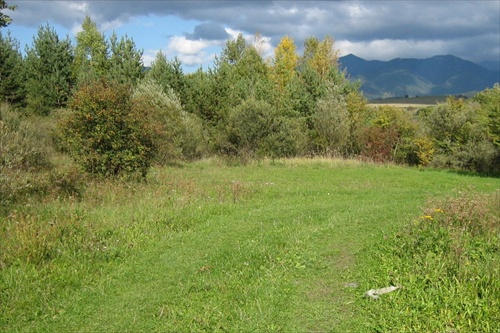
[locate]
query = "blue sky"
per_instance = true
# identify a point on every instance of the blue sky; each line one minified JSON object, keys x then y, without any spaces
{"x":195,"y":31}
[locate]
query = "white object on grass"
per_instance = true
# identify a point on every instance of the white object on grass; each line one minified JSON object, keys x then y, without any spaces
{"x":375,"y":293}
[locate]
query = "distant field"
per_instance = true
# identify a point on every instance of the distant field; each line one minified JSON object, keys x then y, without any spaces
{"x":402,"y":105}
{"x":410,"y":102}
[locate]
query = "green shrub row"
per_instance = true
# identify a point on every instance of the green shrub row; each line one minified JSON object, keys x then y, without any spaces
{"x":122,"y":119}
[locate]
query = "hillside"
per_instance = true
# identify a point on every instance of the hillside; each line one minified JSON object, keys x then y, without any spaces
{"x":438,"y":75}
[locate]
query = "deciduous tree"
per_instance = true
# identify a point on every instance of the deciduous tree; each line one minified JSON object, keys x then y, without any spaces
{"x":489,"y":100}
{"x":321,"y":55}
{"x":284,"y":63}
{"x":461,"y":136}
{"x":91,"y":52}
{"x":330,"y":132}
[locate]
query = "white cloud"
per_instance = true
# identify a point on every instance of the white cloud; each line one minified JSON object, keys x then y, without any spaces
{"x":196,"y":59}
{"x":185,"y":46}
{"x":316,"y":15}
{"x":111,"y":25}
{"x":191,"y":52}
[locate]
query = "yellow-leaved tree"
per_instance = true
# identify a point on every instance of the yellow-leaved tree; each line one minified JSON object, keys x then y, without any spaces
{"x":284,"y":63}
{"x":321,"y":55}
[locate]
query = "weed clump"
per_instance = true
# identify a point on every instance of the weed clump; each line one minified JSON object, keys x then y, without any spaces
{"x":448,"y":261}
{"x":28,"y":166}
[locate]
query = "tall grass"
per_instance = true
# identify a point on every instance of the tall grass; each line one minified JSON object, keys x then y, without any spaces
{"x":30,"y":167}
{"x":448,"y":262}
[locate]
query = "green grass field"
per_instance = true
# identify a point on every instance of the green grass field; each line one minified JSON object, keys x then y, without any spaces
{"x":273,"y":246}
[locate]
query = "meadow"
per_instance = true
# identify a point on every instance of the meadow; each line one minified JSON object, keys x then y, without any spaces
{"x":288,"y":245}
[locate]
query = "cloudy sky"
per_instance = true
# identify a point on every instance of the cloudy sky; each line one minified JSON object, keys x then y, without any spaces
{"x":195,"y":31}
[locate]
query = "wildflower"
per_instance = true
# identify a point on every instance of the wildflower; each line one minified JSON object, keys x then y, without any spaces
{"x":429,"y":217}
{"x":438,"y":210}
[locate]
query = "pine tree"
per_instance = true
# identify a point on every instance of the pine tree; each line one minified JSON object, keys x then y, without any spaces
{"x":234,"y":50}
{"x":168,"y":74}
{"x":11,"y":62}
{"x":125,"y":62}
{"x":48,"y":71}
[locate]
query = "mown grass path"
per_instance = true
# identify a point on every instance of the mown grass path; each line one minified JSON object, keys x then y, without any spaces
{"x":259,"y":248}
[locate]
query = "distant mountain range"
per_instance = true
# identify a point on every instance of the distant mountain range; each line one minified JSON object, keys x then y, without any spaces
{"x":439,"y":75}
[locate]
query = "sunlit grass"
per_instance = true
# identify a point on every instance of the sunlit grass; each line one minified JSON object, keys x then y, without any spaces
{"x":210,"y":246}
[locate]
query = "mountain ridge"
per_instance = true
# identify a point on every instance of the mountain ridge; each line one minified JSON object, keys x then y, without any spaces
{"x":400,"y":77}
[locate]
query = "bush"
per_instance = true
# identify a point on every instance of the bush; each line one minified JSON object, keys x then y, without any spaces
{"x":389,"y":135}
{"x":27,"y":169}
{"x":22,"y":145}
{"x":462,"y":137}
{"x":175,"y":133}
{"x":192,"y":140}
{"x":255,"y":128}
{"x":378,"y":143}
{"x":331,"y":124}
{"x":424,"y":151}
{"x":104,"y":133}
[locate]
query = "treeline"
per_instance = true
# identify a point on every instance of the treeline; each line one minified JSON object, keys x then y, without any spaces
{"x":113,"y":117}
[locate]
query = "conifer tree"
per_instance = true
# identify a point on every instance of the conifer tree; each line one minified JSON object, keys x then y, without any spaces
{"x":48,"y":71}
{"x":125,"y":62}
{"x":168,"y":74}
{"x":11,"y":62}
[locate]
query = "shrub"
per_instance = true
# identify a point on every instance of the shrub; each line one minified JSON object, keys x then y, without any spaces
{"x":378,"y":143}
{"x":389,"y":135}
{"x":462,"y":137}
{"x":104,"y":133}
{"x":255,"y":128}
{"x":175,"y":134}
{"x":331,"y":123}
{"x":424,"y":150}
{"x":27,"y":168}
